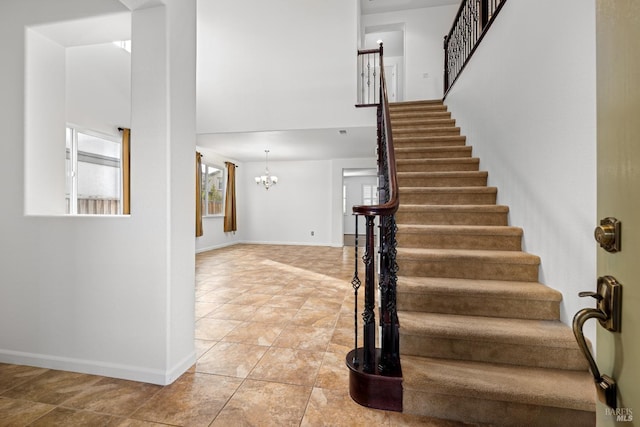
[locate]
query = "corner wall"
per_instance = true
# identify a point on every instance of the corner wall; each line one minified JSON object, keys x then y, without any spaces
{"x":105,"y":295}
{"x":526,"y":102}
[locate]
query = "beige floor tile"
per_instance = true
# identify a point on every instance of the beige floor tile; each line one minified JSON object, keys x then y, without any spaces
{"x":53,"y":387}
{"x":333,"y":373}
{"x":336,"y":408}
{"x":214,"y":329}
{"x":343,"y":341}
{"x":286,"y":301}
{"x":15,"y":412}
{"x":202,"y":346}
{"x":251,"y":299}
{"x":204,"y":308}
{"x":315,"y":318}
{"x":113,"y":396}
{"x":73,"y":418}
{"x":233,"y":312}
{"x":398,"y":419}
{"x":260,"y":403}
{"x":304,"y":338}
{"x":288,"y":366}
{"x":13,"y":375}
{"x":254,"y":333}
{"x":231,"y":359}
{"x":193,"y":400}
{"x":270,"y":314}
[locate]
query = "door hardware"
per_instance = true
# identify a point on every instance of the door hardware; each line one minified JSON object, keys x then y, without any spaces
{"x":607,"y":234}
{"x":608,"y":311}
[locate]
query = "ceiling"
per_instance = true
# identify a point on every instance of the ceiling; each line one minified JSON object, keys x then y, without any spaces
{"x":380,"y":6}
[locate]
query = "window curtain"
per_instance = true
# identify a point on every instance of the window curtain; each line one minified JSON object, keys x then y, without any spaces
{"x":199,"y":231}
{"x":126,"y":170}
{"x":230,"y":200}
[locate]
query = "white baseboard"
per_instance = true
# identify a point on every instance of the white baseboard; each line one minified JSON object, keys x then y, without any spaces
{"x":112,"y":370}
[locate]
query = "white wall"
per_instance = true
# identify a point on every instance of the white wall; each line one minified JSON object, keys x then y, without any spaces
{"x":526,"y":102}
{"x":105,"y":295}
{"x":278,"y":65}
{"x":44,"y":137}
{"x":353,"y":186}
{"x":288,"y":212}
{"x":424,"y":34}
{"x":213,"y":226}
{"x":98,"y":87}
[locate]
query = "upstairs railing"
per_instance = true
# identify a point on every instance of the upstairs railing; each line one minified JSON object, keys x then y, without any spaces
{"x":472,"y":21}
{"x":375,"y":374}
{"x":369,"y":77}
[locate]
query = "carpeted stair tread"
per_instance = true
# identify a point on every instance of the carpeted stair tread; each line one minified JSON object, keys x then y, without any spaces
{"x":419,"y":102}
{"x":421,"y":131}
{"x":408,"y":114}
{"x":435,"y":165}
{"x":401,"y":141}
{"x":452,"y":214}
{"x":433,"y":152}
{"x":448,"y":195}
{"x":468,"y":264}
{"x":443,"y":179}
{"x":507,"y":383}
{"x":460,"y":237}
{"x":542,"y":333}
{"x":422,"y":122}
{"x":498,"y":298}
{"x":485,"y":256}
{"x":492,"y":288}
{"x":416,"y":107}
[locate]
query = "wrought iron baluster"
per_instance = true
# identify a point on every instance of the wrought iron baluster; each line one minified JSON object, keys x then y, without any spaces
{"x":368,"y":316}
{"x":355,"y":283}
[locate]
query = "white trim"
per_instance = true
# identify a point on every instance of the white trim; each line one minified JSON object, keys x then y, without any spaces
{"x":112,"y":370}
{"x":220,"y":246}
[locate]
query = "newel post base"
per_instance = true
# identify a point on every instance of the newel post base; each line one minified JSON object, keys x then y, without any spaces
{"x":372,"y":389}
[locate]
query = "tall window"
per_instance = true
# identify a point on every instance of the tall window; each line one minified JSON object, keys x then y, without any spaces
{"x":212,"y":192}
{"x":369,"y":194}
{"x":93,"y":174}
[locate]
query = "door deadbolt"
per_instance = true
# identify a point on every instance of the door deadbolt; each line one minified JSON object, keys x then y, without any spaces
{"x":607,"y":234}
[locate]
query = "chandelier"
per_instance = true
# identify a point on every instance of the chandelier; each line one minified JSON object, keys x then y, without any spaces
{"x":267,"y":179}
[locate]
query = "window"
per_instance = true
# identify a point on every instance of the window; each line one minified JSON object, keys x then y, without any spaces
{"x":212,"y":192}
{"x":93,"y":174}
{"x":369,"y":194}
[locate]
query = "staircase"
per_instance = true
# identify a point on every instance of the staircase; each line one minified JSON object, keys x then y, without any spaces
{"x":480,"y":338}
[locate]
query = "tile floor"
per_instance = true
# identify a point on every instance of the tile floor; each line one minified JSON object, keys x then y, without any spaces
{"x":273,"y":326}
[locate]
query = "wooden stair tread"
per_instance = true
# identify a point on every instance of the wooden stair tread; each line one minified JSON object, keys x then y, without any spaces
{"x":534,"y":386}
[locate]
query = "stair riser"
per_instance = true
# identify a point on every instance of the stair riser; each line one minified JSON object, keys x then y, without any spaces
{"x":478,"y":305}
{"x":428,"y":142}
{"x":471,"y":181}
{"x":443,"y":198}
{"x":462,"y":152}
{"x":427,"y":132}
{"x":471,"y":408}
{"x":493,"y":352}
{"x":393,"y":109}
{"x":452,"y":218}
{"x":452,"y":166}
{"x":410,"y":115}
{"x":462,"y":269}
{"x":423,"y":123}
{"x":458,"y":241}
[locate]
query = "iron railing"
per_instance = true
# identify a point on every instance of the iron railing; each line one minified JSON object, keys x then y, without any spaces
{"x":375,"y":373}
{"x":368,"y":78}
{"x":472,"y":21}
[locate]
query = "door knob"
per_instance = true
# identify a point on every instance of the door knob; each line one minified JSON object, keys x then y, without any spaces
{"x":607,"y":234}
{"x":608,"y":313}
